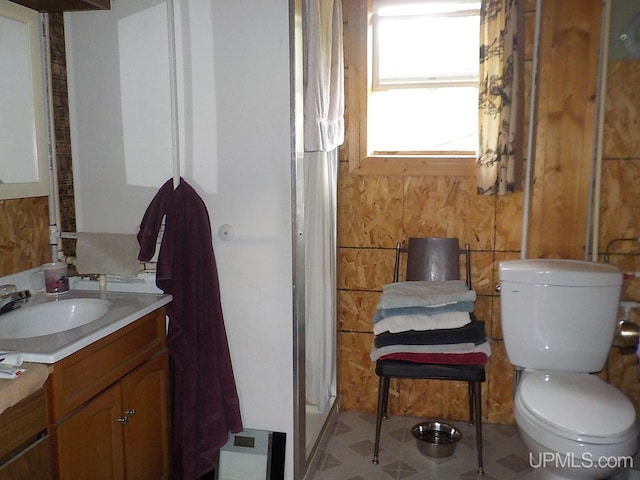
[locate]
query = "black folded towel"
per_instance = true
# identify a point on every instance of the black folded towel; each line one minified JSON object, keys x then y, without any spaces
{"x":472,"y":332}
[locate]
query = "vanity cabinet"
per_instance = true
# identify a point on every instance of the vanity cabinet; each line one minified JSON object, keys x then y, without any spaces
{"x":108,"y":408}
{"x":25,"y":451}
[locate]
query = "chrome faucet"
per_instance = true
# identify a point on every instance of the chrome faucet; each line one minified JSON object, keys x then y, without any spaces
{"x":13,"y":299}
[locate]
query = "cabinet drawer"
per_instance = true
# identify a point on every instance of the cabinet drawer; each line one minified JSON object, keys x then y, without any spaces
{"x":22,"y":423}
{"x":34,"y":463}
{"x":80,"y":376}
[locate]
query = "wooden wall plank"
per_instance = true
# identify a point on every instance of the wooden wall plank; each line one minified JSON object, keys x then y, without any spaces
{"x":565,"y":135}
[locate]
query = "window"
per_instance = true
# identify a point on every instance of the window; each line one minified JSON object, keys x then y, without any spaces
{"x":412,"y":89}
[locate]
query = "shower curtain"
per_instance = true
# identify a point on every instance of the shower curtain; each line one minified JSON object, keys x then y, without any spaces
{"x":320,"y":277}
{"x":323,"y":134}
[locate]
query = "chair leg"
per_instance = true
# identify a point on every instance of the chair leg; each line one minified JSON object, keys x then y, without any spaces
{"x":471,"y":403}
{"x":477,"y":413}
{"x":383,"y":398}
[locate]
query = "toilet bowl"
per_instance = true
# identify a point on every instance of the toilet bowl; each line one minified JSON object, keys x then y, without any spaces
{"x":575,"y":425}
{"x":558,"y":322}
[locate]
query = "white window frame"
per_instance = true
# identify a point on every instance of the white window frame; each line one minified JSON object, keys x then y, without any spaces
{"x":359,"y":81}
{"x":453,"y":79}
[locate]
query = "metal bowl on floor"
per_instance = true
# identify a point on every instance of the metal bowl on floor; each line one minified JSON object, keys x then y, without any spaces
{"x":436,"y":439}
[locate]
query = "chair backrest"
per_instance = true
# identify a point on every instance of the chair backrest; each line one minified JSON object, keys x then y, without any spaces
{"x":433,"y":259}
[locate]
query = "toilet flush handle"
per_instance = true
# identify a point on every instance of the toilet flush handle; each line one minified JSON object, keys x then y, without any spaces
{"x":498,"y":287}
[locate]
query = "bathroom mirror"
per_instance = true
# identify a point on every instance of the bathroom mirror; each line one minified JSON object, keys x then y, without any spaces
{"x":23,"y":151}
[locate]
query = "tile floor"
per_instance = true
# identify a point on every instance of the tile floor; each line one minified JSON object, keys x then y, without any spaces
{"x":348,"y":453}
{"x":349,"y":449}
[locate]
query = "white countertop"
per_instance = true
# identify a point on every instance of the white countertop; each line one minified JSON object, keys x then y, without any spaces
{"x":125,"y":309}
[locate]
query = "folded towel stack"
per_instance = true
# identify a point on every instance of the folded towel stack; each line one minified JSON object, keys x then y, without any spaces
{"x":429,"y":322}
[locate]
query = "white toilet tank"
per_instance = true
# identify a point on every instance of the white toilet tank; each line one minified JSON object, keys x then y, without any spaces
{"x":559,"y":314}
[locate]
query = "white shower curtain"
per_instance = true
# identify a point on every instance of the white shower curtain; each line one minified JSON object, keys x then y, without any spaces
{"x":323,"y":133}
{"x":323,"y":75}
{"x":320,"y":277}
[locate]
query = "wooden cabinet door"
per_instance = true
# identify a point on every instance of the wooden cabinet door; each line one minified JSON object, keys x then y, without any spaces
{"x":145,"y":403}
{"x":89,"y":442}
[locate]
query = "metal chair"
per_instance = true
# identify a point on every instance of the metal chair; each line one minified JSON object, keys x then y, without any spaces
{"x":432,"y":259}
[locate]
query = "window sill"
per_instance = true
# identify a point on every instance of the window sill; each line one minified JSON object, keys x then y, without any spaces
{"x":414,"y":165}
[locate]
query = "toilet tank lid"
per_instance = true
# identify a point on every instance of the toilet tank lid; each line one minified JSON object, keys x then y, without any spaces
{"x":560,"y":272}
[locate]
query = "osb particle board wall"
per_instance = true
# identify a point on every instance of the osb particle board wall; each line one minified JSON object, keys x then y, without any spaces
{"x":24,"y":234}
{"x":620,"y":204}
{"x":376,"y":211}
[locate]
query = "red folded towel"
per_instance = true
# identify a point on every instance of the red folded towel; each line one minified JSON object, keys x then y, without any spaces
{"x":475,"y":358}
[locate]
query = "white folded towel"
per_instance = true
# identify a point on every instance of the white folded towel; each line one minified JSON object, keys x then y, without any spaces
{"x":405,"y":323}
{"x":112,"y":253}
{"x":425,"y":294}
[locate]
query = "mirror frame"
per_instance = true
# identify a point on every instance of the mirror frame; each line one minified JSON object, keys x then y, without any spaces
{"x":40,"y":186}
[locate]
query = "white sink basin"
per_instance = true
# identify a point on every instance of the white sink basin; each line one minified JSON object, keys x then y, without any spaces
{"x":46,"y":329}
{"x":51,"y":317}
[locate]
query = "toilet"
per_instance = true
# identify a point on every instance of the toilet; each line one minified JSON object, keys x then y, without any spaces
{"x":558,"y":320}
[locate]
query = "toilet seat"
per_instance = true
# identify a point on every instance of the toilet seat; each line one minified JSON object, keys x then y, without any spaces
{"x":576,"y":406}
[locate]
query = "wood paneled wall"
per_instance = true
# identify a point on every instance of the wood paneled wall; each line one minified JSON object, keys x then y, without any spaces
{"x":567,"y":87}
{"x":376,"y":211}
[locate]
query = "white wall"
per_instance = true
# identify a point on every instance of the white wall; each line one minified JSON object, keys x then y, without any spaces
{"x":250,"y":128}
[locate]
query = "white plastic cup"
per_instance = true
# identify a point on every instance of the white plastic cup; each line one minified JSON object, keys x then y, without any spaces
{"x":56,"y":279}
